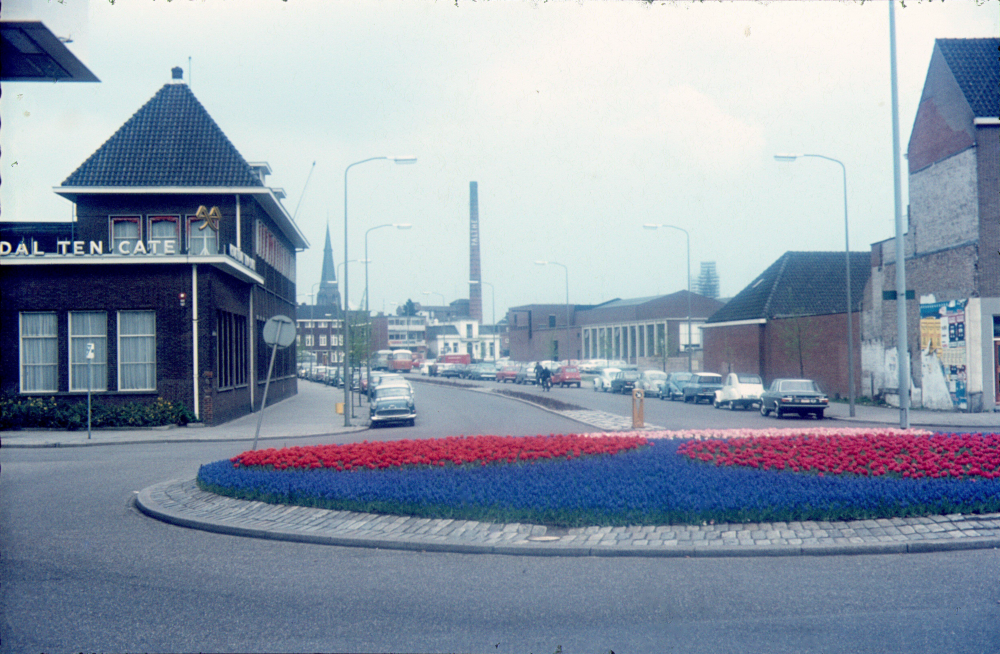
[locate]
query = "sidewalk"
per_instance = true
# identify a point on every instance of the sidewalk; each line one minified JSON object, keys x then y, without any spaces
{"x":312,"y":412}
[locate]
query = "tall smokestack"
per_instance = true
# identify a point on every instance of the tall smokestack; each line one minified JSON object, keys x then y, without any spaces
{"x":475,"y":273}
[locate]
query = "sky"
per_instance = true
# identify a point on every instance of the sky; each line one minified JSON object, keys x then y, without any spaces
{"x":579,"y":120}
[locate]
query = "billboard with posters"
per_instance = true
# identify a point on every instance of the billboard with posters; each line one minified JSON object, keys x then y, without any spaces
{"x":942,"y":338}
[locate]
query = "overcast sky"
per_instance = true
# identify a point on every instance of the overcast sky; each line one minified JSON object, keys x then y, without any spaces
{"x":580,"y":121}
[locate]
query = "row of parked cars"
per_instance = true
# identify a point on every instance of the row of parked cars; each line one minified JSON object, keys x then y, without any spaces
{"x":737,"y":391}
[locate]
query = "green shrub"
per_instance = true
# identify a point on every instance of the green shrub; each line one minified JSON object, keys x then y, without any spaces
{"x":52,"y":413}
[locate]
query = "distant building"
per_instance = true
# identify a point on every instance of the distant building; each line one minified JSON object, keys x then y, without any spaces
{"x":791,"y":321}
{"x":708,"y":281}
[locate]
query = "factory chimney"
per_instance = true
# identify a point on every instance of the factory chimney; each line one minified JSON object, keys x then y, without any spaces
{"x":475,"y":273}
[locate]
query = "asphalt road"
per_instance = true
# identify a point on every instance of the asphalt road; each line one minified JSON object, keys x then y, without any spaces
{"x":83,"y":570}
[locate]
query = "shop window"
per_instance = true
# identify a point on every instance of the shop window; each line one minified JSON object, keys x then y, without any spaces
{"x":39,"y":353}
{"x":136,"y":351}
{"x":202,"y":239}
{"x":231,"y":350}
{"x":124,"y":234}
{"x":88,"y":330}
{"x":164,"y":235}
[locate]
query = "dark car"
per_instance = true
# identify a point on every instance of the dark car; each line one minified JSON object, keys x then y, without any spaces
{"x":702,"y":387}
{"x":801,"y":396}
{"x":392,"y":403}
{"x":673,"y":387}
{"x":624,"y":381}
{"x":448,"y":370}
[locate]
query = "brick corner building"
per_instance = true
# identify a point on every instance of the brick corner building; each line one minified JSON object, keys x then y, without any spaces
{"x":178,"y":256}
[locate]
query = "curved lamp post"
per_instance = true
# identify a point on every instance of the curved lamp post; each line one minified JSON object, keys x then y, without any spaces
{"x":565,"y":270}
{"x":688,"y":237}
{"x":347,"y":329}
{"x":847,"y":266}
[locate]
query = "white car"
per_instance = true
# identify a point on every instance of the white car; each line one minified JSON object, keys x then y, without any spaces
{"x":740,"y":391}
{"x":602,"y":382}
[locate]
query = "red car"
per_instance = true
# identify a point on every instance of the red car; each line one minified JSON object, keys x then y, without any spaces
{"x":507,"y":373}
{"x":566,"y":376}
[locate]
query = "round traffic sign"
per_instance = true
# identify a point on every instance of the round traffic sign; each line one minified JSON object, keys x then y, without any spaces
{"x":280,"y":331}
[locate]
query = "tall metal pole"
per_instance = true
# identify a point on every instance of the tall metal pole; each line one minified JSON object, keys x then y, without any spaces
{"x":847,"y":266}
{"x":347,"y":306}
{"x":902,"y":340}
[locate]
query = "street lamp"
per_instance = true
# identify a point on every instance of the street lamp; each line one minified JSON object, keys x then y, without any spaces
{"x":847,"y":266}
{"x":347,"y":332}
{"x":493,"y":313}
{"x":368,"y":357}
{"x":565,"y":270}
{"x":435,"y":293}
{"x":343,"y":264}
{"x":687,"y":236}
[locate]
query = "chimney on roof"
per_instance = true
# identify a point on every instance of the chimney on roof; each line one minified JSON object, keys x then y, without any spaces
{"x":177,"y":74}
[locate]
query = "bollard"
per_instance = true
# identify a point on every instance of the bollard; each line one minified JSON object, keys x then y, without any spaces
{"x":637,"y":409}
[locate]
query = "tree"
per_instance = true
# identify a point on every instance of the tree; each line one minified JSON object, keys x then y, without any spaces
{"x":407,"y":309}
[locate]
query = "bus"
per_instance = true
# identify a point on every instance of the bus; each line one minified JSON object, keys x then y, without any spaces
{"x":380,"y":360}
{"x":400,"y":361}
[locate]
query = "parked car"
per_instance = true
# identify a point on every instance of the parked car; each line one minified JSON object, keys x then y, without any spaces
{"x":567,"y":376}
{"x":651,"y":382}
{"x":602,"y":382}
{"x":526,"y":374}
{"x":740,"y":391}
{"x":392,"y":403}
{"x":673,"y":386}
{"x":801,"y":396}
{"x":507,"y":373}
{"x":625,"y":381}
{"x":702,"y":386}
{"x":482,"y":372}
{"x":450,"y":370}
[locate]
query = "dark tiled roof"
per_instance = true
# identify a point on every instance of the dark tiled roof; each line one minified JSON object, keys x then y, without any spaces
{"x":976,"y":67}
{"x":800,"y":284}
{"x":170,"y":141}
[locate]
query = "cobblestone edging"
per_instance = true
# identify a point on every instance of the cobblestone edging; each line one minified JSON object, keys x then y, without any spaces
{"x":182,"y":503}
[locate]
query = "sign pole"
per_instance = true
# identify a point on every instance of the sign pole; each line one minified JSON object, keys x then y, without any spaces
{"x":90,"y":382}
{"x":273,"y":337}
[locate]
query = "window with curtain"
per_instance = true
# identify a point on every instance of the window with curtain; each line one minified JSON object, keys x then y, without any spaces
{"x":201,"y":241}
{"x":39,"y":353}
{"x":124,"y":230}
{"x":136,"y":351}
{"x":164,"y":229}
{"x":86,"y":327}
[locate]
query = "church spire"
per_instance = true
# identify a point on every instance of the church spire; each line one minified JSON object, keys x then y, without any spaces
{"x":329,"y":292}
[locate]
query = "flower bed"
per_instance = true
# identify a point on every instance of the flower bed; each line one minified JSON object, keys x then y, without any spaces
{"x":605,"y":479}
{"x":909,"y":456}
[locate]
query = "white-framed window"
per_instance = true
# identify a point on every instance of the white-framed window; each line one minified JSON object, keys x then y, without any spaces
{"x":309,"y":340}
{"x":125,"y":233}
{"x":86,"y":329}
{"x":322,"y":340}
{"x":39,"y":353}
{"x":136,"y":351}
{"x":164,"y":235}
{"x":201,"y":241}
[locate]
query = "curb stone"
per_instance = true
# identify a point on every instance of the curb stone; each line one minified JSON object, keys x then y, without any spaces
{"x":181,"y":502}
